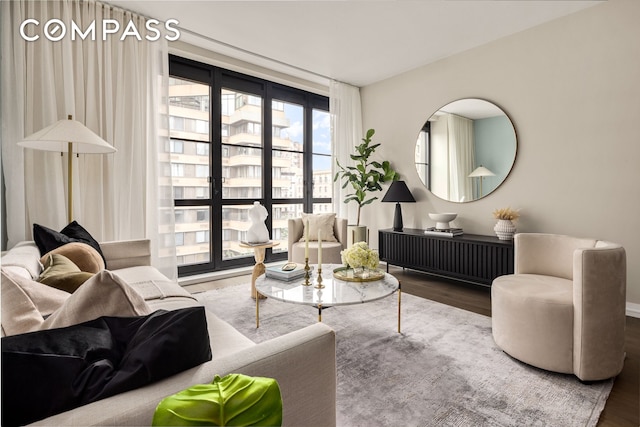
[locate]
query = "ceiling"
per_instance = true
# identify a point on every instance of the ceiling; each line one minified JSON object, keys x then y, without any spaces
{"x":354,"y":41}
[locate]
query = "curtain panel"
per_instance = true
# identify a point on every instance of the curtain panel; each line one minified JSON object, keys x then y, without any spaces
{"x":346,"y":132}
{"x":461,"y":157}
{"x":117,"y":89}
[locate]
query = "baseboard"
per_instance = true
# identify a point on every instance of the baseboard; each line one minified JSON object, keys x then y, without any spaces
{"x":633,"y":310}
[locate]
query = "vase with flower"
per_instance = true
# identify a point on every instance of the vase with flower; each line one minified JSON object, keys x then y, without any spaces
{"x":505,"y":228}
{"x":360,"y":264}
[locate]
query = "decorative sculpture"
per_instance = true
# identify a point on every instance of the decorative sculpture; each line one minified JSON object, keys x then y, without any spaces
{"x":258,"y":232}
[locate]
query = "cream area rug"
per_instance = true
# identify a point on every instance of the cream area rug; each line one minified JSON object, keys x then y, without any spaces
{"x":443,"y":369}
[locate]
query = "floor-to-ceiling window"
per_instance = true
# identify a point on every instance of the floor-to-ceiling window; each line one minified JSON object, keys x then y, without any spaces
{"x":236,"y":139}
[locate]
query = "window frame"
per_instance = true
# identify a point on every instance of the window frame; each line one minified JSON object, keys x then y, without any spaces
{"x":252,"y":88}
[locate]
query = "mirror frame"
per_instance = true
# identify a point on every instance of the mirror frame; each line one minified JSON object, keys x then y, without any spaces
{"x":473,"y":183}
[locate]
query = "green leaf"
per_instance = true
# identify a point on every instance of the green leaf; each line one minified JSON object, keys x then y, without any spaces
{"x":368,"y":201}
{"x":234,"y":400}
{"x":370,"y":133}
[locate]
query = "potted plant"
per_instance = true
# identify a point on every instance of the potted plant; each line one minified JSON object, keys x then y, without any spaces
{"x":365,"y":178}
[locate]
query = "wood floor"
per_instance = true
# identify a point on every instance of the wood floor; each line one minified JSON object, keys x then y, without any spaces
{"x":623,"y":406}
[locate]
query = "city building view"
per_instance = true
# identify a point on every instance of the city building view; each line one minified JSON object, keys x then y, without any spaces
{"x":241,"y":162}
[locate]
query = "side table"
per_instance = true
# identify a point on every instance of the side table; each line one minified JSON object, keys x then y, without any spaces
{"x":259,"y":250}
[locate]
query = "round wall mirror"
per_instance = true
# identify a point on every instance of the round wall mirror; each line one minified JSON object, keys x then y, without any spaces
{"x":465,"y":150}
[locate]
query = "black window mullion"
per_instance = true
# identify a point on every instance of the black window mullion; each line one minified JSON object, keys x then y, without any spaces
{"x":267,"y":161}
{"x":215,"y":121}
{"x":308,"y":158}
{"x":217,"y":79}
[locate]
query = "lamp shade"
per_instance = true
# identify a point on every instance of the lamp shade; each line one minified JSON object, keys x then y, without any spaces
{"x":398,"y":192}
{"x":68,"y":136}
{"x":481,"y":171}
{"x":57,"y":137}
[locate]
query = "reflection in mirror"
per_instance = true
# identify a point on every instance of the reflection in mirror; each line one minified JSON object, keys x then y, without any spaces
{"x":465,"y":150}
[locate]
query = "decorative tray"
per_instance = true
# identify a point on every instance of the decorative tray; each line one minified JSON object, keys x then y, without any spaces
{"x":358,"y":275}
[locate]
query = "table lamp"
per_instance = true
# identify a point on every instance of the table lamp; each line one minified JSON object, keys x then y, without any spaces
{"x":398,"y":192}
{"x":68,"y":136}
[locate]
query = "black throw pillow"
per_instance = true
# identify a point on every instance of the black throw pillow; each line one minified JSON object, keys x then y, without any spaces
{"x":47,"y":239}
{"x":48,"y":372}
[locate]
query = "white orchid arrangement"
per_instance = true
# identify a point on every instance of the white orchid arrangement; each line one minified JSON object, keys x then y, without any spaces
{"x":359,"y":255}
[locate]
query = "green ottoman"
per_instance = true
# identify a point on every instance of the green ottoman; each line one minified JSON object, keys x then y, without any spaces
{"x":235,"y":400}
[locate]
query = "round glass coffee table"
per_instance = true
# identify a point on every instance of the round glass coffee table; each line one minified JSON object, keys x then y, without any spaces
{"x":335,"y":291}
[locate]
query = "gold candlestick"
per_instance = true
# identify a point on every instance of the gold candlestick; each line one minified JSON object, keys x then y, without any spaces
{"x":319,"y":285}
{"x":307,"y":275}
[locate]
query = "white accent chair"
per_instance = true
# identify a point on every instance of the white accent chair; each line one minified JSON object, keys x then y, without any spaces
{"x":330,"y":250}
{"x":564,"y":308}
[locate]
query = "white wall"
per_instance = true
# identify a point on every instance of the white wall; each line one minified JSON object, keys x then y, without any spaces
{"x":572,"y":89}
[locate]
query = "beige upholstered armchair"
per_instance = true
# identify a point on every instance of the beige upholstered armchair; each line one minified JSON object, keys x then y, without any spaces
{"x":334,"y":240}
{"x":564,"y":308}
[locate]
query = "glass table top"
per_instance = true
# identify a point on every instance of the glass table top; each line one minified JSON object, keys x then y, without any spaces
{"x":335,"y":292}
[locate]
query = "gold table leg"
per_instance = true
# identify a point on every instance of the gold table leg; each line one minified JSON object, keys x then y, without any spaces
{"x":399,"y":303}
{"x":258,"y":311}
{"x":258,"y":270}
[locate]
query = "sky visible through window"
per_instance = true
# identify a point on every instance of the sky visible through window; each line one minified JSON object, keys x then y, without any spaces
{"x":321,"y":133}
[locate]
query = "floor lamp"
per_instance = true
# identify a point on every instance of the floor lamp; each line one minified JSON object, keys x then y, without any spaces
{"x":481,"y":172}
{"x":72,"y":137}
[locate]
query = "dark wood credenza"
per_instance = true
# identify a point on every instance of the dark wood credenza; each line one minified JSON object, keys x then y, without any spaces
{"x":470,"y":257}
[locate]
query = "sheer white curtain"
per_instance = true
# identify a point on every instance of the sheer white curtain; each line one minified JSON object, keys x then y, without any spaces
{"x":346,"y":132}
{"x":116,"y":88}
{"x":461,"y":157}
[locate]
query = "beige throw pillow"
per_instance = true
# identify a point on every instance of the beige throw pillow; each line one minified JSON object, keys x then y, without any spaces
{"x":19,"y":313}
{"x":81,"y":254}
{"x":45,"y":299}
{"x":319,"y":223}
{"x":105,"y":294}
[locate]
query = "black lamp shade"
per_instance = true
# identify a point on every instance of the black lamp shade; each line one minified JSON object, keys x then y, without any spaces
{"x":398,"y":192}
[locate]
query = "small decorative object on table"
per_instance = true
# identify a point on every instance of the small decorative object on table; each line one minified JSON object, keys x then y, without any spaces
{"x":505,"y":229}
{"x":450,"y":232}
{"x":319,"y":284}
{"x":442,"y":219}
{"x":257,"y":232}
{"x":287,"y":272}
{"x":361,"y":264}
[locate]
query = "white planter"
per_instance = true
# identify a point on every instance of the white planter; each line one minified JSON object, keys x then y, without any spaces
{"x":505,"y":229}
{"x":357,"y":233}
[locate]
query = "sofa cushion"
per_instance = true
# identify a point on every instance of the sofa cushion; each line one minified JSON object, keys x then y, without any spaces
{"x":61,"y":273}
{"x":25,"y":255}
{"x":47,"y":239}
{"x":84,"y":256}
{"x":319,"y":223}
{"x":48,"y":372}
{"x":151,"y":284}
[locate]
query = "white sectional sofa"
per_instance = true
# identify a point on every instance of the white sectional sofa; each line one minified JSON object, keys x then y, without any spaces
{"x":303,"y":362}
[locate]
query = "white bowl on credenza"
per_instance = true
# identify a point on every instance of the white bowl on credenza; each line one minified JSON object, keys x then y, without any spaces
{"x":442,"y":219}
